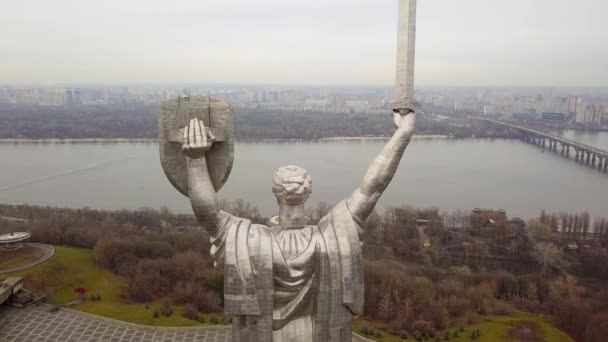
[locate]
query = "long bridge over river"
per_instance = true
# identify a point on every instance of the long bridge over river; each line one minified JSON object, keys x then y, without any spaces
{"x":585,"y":154}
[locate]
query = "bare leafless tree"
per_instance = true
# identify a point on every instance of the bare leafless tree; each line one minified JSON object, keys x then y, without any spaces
{"x":547,"y":255}
{"x":385,"y":306}
{"x":586,"y":220}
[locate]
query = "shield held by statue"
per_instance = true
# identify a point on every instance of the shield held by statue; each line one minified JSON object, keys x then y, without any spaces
{"x":174,"y":117}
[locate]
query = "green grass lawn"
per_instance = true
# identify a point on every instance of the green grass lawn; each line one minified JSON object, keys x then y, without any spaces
{"x":492,"y":328}
{"x":75,"y":267}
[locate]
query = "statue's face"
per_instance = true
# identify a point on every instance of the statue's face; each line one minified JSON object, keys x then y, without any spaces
{"x":292,"y":185}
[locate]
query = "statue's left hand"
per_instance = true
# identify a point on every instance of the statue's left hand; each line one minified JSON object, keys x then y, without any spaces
{"x":404,"y":121}
{"x":197,"y":140}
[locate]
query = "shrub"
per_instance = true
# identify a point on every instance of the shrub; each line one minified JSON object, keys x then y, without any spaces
{"x":364,"y":330}
{"x":437,"y":314}
{"x":81,"y":291}
{"x":469,"y":318}
{"x":424,"y":327}
{"x":207,"y":301}
{"x":456,"y":305}
{"x":506,"y":285}
{"x":500,"y":308}
{"x":189,"y":311}
{"x":395,"y":326}
{"x":597,"y":328}
{"x":167,"y":309}
{"x":184,"y":292}
{"x":474,"y":334}
{"x":213,"y":319}
{"x":156,"y":314}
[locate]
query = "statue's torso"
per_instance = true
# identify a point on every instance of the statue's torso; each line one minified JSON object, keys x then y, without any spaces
{"x":292,"y":285}
{"x":295,"y":259}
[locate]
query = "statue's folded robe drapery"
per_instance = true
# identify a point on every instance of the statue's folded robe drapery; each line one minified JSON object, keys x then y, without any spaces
{"x":274,"y":277}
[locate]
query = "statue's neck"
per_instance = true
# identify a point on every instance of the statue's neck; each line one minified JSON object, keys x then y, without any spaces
{"x":292,"y":216}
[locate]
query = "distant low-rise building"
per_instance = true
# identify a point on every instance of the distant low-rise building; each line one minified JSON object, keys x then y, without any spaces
{"x":526,"y":116}
{"x":358,"y":106}
{"x":312,"y":104}
{"x":494,"y":215}
{"x":553,"y":117}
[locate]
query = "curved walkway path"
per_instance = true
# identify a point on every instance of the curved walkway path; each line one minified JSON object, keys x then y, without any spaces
{"x":36,"y":324}
{"x":48,"y":253}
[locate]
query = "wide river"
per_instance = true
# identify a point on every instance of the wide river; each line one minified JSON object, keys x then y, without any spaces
{"x":445,"y":173}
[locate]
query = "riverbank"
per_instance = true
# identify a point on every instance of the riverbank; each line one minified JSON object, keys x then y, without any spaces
{"x":416,"y":136}
{"x":145,"y":140}
{"x":75,"y":141}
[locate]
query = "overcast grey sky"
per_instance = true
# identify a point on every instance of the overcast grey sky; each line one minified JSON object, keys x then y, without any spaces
{"x":460,"y":42}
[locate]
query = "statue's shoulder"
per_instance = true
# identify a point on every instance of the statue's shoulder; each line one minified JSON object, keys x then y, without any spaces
{"x":340,"y":216}
{"x":273,"y":221}
{"x":245,"y":221}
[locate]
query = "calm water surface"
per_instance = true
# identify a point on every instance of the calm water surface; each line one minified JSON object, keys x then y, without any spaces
{"x":448,"y":174}
{"x":595,"y":139}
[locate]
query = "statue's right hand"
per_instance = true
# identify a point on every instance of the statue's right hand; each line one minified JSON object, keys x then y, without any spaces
{"x":197,"y":141}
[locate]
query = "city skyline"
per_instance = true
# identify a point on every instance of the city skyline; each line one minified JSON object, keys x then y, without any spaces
{"x":466,"y":43}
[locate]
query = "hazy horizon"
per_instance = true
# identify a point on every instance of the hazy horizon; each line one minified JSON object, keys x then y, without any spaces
{"x":323,"y":43}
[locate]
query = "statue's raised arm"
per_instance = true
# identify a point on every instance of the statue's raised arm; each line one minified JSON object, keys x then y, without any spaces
{"x":197,"y":141}
{"x":197,"y":152}
{"x":381,"y":172}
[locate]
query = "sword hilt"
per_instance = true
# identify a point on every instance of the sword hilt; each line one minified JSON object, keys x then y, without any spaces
{"x":407,"y":103}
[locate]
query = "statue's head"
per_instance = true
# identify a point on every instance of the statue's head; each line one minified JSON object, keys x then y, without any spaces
{"x":292,"y":185}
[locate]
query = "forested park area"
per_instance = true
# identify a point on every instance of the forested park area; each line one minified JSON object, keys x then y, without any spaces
{"x":140,"y":122}
{"x":427,"y":272}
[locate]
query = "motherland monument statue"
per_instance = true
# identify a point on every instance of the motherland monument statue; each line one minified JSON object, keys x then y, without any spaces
{"x":286,"y":281}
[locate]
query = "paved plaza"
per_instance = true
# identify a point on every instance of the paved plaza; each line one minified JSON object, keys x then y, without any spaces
{"x":36,"y":324}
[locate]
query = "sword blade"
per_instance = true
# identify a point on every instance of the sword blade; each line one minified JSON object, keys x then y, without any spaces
{"x":406,"y":52}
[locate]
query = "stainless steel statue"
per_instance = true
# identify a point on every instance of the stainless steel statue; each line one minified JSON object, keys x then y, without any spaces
{"x":285,"y":281}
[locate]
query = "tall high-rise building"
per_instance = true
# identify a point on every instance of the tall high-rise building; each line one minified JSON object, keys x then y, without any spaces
{"x":68,"y":98}
{"x":72,"y":97}
{"x":581,"y":107}
{"x":572,"y":104}
{"x":591,"y":115}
